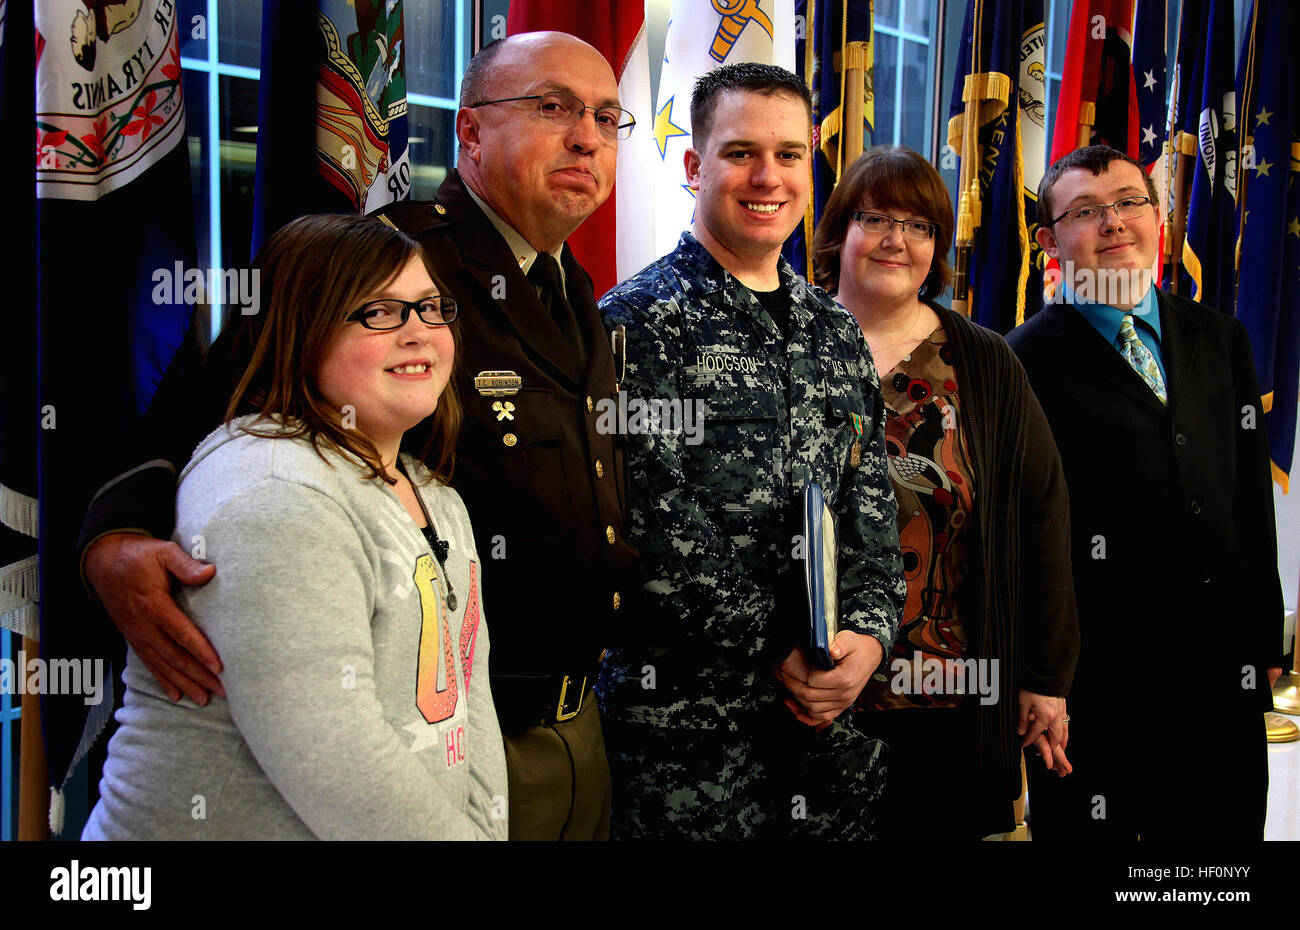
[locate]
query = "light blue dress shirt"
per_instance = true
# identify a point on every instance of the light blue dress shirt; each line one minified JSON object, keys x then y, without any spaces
{"x":1106,"y":319}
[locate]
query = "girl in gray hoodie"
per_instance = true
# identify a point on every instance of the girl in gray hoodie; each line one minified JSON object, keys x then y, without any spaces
{"x":346,"y":605}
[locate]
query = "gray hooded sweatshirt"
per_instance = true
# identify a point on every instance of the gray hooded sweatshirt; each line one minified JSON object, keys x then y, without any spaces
{"x":357,"y":702}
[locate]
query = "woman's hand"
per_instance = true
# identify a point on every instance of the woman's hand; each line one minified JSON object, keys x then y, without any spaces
{"x":1045,"y":723}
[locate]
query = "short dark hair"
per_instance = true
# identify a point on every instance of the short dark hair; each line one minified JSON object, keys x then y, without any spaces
{"x":1096,"y":158}
{"x":746,"y":76}
{"x":474,"y":85}
{"x":892,"y":178}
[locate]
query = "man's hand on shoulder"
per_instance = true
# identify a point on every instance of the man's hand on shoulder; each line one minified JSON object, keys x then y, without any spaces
{"x":821,"y":696}
{"x":131,"y":574}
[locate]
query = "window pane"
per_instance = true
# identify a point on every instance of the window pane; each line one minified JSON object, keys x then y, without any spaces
{"x":196,"y":136}
{"x":187,"y":10}
{"x":1061,"y":10}
{"x":887,"y":12}
{"x":430,"y":47}
{"x":916,"y":17}
{"x":432,"y":139}
{"x":915,"y":96}
{"x":240,"y":24}
{"x":238,"y":165}
{"x":886,"y":86}
{"x":1054,"y":93}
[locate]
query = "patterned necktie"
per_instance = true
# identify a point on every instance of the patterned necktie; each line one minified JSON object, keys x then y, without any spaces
{"x":1140,"y":357}
{"x":545,"y":276}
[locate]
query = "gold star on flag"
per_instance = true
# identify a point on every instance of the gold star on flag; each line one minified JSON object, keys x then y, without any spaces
{"x":665,"y":129}
{"x":1263,"y":167}
{"x":1262,"y":118}
{"x":1294,"y":227}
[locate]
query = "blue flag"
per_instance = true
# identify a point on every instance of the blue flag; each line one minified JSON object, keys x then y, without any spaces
{"x":836,"y":34}
{"x":1149,"y":78}
{"x":1206,"y":130}
{"x":996,"y":126}
{"x":332,"y":122}
{"x":1268,"y":288}
{"x":115,"y":233}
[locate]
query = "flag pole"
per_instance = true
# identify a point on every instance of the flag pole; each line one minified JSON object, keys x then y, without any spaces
{"x":809,"y":211}
{"x":33,"y":774}
{"x":1245,"y":141}
{"x":968,"y":209}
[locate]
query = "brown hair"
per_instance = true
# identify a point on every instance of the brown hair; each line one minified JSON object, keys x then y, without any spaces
{"x":1095,"y":158}
{"x":892,"y":178}
{"x":312,"y":273}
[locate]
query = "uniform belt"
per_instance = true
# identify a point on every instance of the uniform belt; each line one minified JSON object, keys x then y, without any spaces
{"x":524,"y":701}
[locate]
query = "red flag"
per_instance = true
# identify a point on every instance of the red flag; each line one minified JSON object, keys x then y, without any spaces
{"x":615,"y":29}
{"x":1103,"y":70}
{"x":1098,"y":101}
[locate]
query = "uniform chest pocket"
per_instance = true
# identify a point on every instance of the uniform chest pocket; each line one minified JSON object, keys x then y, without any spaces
{"x":844,"y":400}
{"x":728,"y":396}
{"x":528,"y":418}
{"x":737,"y":467}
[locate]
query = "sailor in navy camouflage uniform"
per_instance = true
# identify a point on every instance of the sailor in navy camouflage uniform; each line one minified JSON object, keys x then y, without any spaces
{"x":705,"y":741}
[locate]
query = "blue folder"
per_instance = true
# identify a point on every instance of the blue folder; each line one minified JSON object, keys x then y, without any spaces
{"x":821,"y":578}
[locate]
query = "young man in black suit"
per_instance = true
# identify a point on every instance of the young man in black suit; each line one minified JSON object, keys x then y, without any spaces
{"x":1155,"y":406}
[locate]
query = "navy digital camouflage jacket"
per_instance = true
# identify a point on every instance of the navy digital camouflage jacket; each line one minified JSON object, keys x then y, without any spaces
{"x":716,"y":512}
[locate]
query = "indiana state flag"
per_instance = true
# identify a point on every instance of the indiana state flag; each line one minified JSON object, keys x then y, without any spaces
{"x":996,"y":125}
{"x":702,"y":35}
{"x":1206,"y":131}
{"x":1268,"y":288}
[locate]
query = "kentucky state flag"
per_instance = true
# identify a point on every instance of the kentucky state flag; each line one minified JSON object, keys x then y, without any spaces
{"x":114,"y":210}
{"x":1268,"y":281}
{"x":996,"y":125}
{"x":332,"y":123}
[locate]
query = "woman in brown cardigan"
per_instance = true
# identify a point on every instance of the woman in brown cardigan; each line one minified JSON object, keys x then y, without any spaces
{"x":983,"y":519}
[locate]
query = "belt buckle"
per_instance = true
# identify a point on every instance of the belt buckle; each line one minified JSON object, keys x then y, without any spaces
{"x":560,"y":713}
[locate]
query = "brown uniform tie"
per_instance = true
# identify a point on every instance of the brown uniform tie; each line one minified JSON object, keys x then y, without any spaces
{"x":545,"y":276}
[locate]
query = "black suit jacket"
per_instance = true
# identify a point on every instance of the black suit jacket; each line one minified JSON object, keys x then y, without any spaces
{"x":1175,"y":548}
{"x":548,"y":524}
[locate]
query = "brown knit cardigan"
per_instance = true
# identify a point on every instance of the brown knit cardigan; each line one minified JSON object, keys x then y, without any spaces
{"x":1017,"y":599}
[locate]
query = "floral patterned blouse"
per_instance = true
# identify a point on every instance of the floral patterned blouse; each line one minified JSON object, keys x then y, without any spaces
{"x":930,"y":470}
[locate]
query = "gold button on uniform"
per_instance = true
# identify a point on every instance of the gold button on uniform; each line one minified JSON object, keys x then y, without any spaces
{"x":609,"y":534}
{"x":590,"y":405}
{"x":617,"y":600}
{"x":509,"y":439}
{"x":600,"y":469}
{"x":439,"y":208}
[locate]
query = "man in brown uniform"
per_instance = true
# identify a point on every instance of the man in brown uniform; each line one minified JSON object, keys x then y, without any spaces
{"x":538,"y":130}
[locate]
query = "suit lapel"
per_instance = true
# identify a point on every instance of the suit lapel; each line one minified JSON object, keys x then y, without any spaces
{"x":1179,"y":345}
{"x":1096,"y":362}
{"x":487,"y":261}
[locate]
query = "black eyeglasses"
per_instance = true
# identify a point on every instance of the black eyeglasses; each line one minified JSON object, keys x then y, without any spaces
{"x":879,"y":225}
{"x":1127,"y":208}
{"x":566,"y":110}
{"x":393,"y":313}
